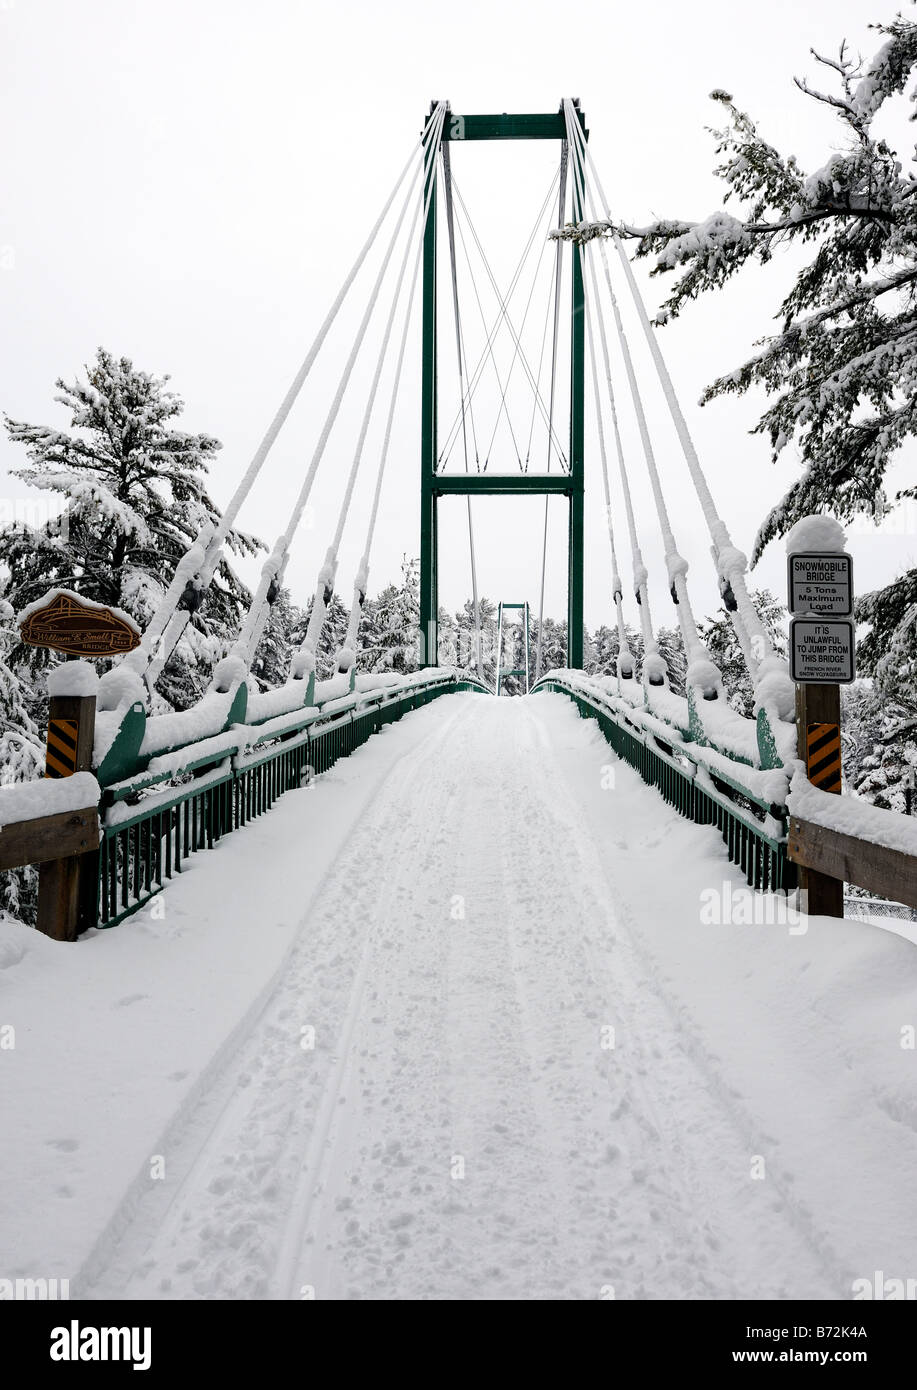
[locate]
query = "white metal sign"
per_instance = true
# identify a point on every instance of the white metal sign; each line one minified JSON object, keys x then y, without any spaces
{"x":820,"y":583}
{"x":822,"y":651}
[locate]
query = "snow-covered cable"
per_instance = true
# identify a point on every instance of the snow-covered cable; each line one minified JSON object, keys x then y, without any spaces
{"x":272,"y":571}
{"x":703,"y":673}
{"x":347,"y":655}
{"x":450,"y":225}
{"x":656,"y":667}
{"x":625,"y":662}
{"x":731,"y":564}
{"x":195,"y":571}
{"x":558,"y":275}
{"x":328,"y":571}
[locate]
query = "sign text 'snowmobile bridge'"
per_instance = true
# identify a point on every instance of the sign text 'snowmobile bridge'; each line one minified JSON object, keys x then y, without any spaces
{"x":151,"y":789}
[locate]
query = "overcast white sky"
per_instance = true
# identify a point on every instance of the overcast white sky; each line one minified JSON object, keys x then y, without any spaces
{"x":188,"y":182}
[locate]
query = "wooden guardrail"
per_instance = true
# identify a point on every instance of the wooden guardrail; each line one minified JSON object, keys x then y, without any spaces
{"x":46,"y":838}
{"x":890,"y":873}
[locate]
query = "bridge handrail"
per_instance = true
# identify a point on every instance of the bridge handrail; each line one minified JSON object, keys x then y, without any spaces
{"x":151,"y":822}
{"x":748,"y":805}
{"x":765,"y":787}
{"x":156,"y":764}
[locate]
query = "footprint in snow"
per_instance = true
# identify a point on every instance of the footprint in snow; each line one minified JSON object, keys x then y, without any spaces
{"x":67,"y":1146}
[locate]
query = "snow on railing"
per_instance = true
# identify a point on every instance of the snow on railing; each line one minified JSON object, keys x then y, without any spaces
{"x":49,"y":796}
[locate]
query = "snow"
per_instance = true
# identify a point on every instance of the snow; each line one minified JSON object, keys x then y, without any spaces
{"x":774,"y":691}
{"x":229,"y":674}
{"x":708,"y":238}
{"x":73,"y":678}
{"x":402,"y":1084}
{"x":120,"y":687}
{"x":850,"y":815}
{"x":816,"y":533}
{"x":728,"y":730}
{"x":267,"y":704}
{"x":48,"y":797}
{"x":702,"y":674}
{"x":333,"y":689}
{"x":204,"y":720}
{"x":123,"y":811}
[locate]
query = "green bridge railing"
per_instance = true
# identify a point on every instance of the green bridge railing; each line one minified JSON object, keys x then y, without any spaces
{"x":149,"y":832}
{"x":747,"y":805}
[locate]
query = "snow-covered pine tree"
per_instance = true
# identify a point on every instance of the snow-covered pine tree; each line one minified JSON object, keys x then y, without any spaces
{"x":604,"y":651}
{"x":134,"y":497}
{"x":553,"y":644}
{"x":334,"y":630}
{"x":719,"y":637}
{"x":841,"y":371}
{"x":283,"y":631}
{"x":672,"y":650}
{"x":388,"y":639}
{"x":22,"y":758}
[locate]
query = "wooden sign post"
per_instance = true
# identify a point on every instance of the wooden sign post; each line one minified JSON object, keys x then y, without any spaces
{"x":71,"y":732}
{"x":820,"y":594}
{"x":65,"y":622}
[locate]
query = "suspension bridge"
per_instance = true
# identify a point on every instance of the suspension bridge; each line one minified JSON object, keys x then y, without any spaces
{"x":477,"y":925}
{"x":245,"y":746}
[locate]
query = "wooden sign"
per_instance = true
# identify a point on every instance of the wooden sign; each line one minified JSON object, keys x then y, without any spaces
{"x":69,"y":624}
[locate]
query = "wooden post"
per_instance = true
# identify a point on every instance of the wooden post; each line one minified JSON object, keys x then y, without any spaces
{"x":818,"y":711}
{"x":71,"y":731}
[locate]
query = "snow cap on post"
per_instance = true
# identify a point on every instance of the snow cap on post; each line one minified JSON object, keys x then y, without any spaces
{"x":817,"y":533}
{"x":73,"y":678}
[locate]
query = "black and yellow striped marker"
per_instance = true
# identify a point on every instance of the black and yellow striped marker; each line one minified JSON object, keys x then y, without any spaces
{"x":823,"y":756}
{"x":60,"y":755}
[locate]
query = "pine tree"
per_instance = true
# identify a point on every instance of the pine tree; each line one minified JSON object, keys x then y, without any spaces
{"x":134,"y":496}
{"x":283,"y":631}
{"x":388,"y":639}
{"x":21,"y":760}
{"x":841,"y":371}
{"x":672,"y":650}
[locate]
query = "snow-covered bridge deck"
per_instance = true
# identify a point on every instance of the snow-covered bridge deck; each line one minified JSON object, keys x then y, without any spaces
{"x":457,"y":916}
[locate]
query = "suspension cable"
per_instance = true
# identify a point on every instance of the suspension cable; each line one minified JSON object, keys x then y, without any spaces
{"x":558,"y":271}
{"x":459,"y":348}
{"x":346,"y":657}
{"x":196,"y":571}
{"x":273,"y":569}
{"x":625,"y":657}
{"x":641,"y":591}
{"x":731,"y":564}
{"x":676,"y":565}
{"x":328,"y":572}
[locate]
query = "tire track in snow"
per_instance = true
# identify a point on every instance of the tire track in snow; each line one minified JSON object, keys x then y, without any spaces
{"x":140,"y":1253}
{"x":475,"y":1037}
{"x":753,"y":1231}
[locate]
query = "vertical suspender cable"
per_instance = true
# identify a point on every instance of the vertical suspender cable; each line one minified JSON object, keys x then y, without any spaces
{"x":625,"y":663}
{"x":558,"y":275}
{"x":450,"y":223}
